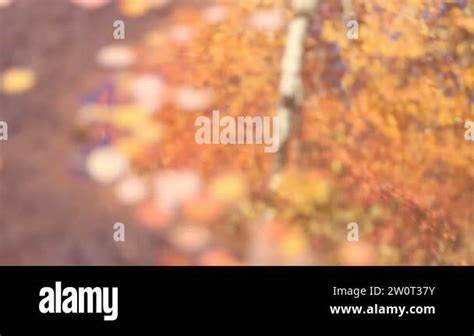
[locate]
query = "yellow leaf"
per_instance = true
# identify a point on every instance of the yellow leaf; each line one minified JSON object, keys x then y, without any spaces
{"x":134,"y":8}
{"x":130,"y":117}
{"x":17,"y":80}
{"x":229,"y":188}
{"x":295,"y":244}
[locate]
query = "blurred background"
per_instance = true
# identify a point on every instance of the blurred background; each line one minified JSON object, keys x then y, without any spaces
{"x":101,"y":131}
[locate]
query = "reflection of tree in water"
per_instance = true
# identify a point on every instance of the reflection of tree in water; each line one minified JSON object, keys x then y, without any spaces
{"x":380,"y":132}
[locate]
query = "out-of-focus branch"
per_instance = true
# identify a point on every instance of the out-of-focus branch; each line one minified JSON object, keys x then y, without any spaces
{"x":291,"y":83}
{"x":291,"y":92}
{"x":348,"y":10}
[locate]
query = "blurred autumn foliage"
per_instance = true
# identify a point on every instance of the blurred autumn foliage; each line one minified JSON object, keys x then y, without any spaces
{"x":381,"y":144}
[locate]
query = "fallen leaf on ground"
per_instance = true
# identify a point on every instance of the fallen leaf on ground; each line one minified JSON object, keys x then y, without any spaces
{"x":148,"y":214}
{"x":132,"y":190}
{"x":116,"y":56}
{"x":17,"y":80}
{"x":106,"y":165}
